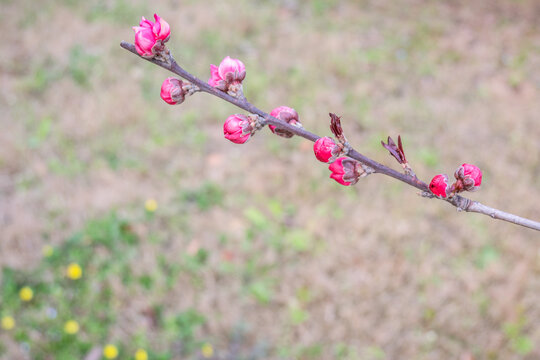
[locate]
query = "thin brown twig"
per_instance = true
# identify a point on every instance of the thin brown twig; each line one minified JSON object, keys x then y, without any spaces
{"x":460,"y":202}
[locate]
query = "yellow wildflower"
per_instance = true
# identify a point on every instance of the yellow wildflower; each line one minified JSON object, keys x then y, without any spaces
{"x":8,"y":323}
{"x":74,"y":271}
{"x":47,"y":250}
{"x":150,"y":205}
{"x":71,"y":327}
{"x":26,"y":293}
{"x":141,"y":354}
{"x":207,"y":350}
{"x":110,"y":351}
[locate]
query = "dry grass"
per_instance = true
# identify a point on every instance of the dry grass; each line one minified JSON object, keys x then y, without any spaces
{"x":387,"y":274}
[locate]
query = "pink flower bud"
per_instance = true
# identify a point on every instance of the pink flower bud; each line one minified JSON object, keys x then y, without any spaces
{"x":237,"y":128}
{"x":439,"y":185}
{"x":287,"y":115}
{"x":150,"y":36}
{"x":230,"y":72}
{"x":326,"y":149}
{"x":144,"y":40}
{"x":346,"y":171}
{"x":232,"y":69}
{"x":161,"y":29}
{"x":172,"y":91}
{"x":469,"y":177}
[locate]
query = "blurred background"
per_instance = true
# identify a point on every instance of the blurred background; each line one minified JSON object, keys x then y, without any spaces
{"x":132,"y":229}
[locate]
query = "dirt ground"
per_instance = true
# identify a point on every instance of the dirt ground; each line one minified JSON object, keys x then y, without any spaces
{"x":380,"y":271}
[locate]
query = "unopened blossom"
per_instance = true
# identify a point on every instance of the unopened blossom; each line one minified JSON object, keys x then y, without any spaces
{"x":228,"y":76}
{"x":469,"y":177}
{"x":172,"y":91}
{"x":326,"y":149}
{"x":439,"y":186}
{"x":150,"y":36}
{"x":237,"y":128}
{"x":288,"y":115}
{"x":145,"y":40}
{"x":346,"y":171}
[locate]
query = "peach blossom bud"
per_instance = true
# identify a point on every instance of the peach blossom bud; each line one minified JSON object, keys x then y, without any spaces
{"x":161,"y":29}
{"x":144,"y":41}
{"x":232,"y":69}
{"x":439,"y":185}
{"x":237,"y":128}
{"x":469,"y":177}
{"x":172,"y":91}
{"x":326,"y":149}
{"x":287,"y":115}
{"x":151,"y":36}
{"x":230,"y":72}
{"x":346,"y":171}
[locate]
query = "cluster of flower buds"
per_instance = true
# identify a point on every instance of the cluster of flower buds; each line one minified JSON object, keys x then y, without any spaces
{"x":174,"y":91}
{"x":344,"y":170}
{"x":239,"y":128}
{"x":285,"y":114}
{"x":150,"y":36}
{"x":228,"y":76}
{"x":347,"y":171}
{"x":468,"y":178}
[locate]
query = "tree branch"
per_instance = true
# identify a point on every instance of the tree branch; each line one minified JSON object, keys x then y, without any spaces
{"x":461,"y":203}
